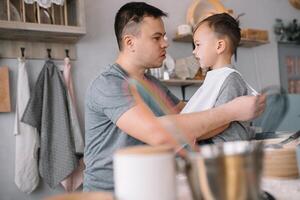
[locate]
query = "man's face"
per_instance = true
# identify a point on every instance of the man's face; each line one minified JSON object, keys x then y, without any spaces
{"x":150,"y":44}
{"x":205,"y":42}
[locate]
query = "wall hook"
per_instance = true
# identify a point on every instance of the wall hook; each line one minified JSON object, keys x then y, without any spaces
{"x":22,"y":52}
{"x":67,"y":53}
{"x":49,"y":53}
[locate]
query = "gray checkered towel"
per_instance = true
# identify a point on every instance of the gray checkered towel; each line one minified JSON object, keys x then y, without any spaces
{"x":47,"y":110}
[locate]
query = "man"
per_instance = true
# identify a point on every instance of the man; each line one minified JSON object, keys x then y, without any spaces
{"x":125,"y":106}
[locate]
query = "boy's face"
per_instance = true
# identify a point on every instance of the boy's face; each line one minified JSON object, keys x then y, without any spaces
{"x":150,"y":45}
{"x":206,"y":42}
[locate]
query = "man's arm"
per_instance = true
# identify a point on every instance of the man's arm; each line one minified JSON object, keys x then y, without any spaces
{"x":180,"y":106}
{"x":198,"y":124}
{"x":213,"y":133}
{"x":140,"y":122}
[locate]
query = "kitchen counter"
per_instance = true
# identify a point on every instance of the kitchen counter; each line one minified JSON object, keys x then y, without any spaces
{"x":282,"y":189}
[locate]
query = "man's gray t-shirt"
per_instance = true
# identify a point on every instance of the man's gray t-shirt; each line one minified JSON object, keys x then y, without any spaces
{"x":233,"y":87}
{"x":107,"y":98}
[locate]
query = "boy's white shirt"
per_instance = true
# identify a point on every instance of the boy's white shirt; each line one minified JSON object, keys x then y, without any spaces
{"x":206,"y":96}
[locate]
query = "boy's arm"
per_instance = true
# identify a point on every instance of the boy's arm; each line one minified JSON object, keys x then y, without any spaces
{"x":234,"y":86}
{"x":200,"y":123}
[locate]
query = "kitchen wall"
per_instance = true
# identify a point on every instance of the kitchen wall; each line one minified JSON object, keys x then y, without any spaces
{"x":98,"y":48}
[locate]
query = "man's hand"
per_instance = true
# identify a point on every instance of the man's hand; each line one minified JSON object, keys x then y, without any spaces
{"x":247,"y":107}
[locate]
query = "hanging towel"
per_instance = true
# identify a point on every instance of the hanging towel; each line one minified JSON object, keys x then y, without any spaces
{"x":75,"y":127}
{"x":75,"y":179}
{"x":68,"y":78}
{"x":27,"y":142}
{"x":47,"y":110}
{"x":205,"y":97}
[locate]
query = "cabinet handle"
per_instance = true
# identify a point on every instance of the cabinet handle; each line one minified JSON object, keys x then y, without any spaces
{"x":38,"y":13}
{"x":8,"y":9}
{"x":23,"y":10}
{"x":66,"y":14}
{"x":53,"y":14}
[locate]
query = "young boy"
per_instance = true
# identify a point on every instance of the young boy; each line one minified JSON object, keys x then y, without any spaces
{"x":216,"y":39}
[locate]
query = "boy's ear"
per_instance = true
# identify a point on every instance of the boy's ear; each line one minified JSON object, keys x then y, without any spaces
{"x":221,"y":46}
{"x":128,"y":42}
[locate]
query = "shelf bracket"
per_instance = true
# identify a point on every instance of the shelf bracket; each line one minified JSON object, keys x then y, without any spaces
{"x":183,"y":87}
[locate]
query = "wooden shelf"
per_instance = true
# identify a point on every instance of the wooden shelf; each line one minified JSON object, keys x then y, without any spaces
{"x":58,"y":28}
{"x":179,"y":82}
{"x":251,"y":43}
{"x":182,"y":84}
{"x":288,"y":43}
{"x":244,"y":42}
{"x":66,"y":27}
{"x":183,"y":38}
{"x":10,"y":30}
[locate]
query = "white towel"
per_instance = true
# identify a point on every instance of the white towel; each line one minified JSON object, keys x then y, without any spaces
{"x":205,"y":97}
{"x":26,"y":165}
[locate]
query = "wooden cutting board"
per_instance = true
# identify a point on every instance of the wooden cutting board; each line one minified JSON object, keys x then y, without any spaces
{"x":200,"y":9}
{"x":83,"y":196}
{"x":295,"y":3}
{"x":4,"y":90}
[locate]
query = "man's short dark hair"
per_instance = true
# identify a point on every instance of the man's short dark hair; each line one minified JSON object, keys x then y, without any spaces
{"x":130,"y":15}
{"x":224,"y":25}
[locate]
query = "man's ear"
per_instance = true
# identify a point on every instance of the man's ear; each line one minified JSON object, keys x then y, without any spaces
{"x":221,"y":46}
{"x":128,"y":42}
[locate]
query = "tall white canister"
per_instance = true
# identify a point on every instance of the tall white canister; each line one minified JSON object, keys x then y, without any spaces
{"x":145,"y":172}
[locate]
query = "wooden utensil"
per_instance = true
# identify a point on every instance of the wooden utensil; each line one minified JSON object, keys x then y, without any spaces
{"x":295,"y":3}
{"x":280,"y":163}
{"x":4,"y":90}
{"x":83,"y":196}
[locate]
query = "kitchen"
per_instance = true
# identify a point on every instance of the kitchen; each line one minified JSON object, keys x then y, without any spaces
{"x":259,"y":66}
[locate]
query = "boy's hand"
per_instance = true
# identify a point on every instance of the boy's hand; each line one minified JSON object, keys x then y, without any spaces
{"x":247,"y":107}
